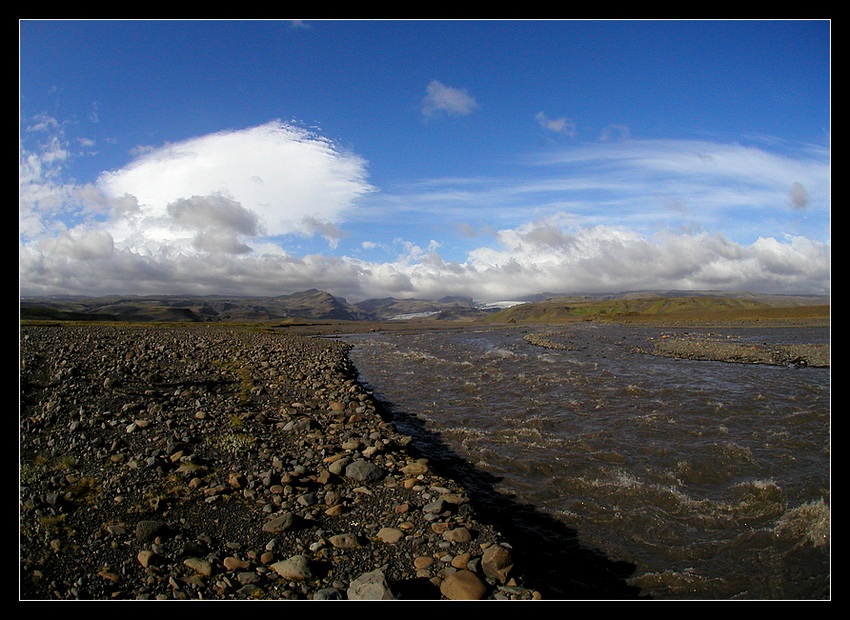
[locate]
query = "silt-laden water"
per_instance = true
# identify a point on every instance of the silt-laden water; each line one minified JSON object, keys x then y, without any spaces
{"x":709,"y":480}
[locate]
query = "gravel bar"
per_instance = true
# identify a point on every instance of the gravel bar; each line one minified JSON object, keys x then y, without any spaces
{"x":210,"y":463}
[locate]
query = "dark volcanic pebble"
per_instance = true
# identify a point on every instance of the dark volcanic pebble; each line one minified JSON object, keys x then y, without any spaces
{"x":226,"y":463}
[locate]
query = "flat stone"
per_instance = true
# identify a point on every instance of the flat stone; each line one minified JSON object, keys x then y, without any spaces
{"x":458,"y":535}
{"x":344,"y":541}
{"x":231,"y":563}
{"x":296,"y":568}
{"x":279,"y":524}
{"x":390,"y":535}
{"x":199,"y":565}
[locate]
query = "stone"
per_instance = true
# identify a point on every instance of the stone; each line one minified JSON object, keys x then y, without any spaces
{"x":146,"y":557}
{"x":454,"y":498}
{"x":245,"y":578}
{"x":337,"y":467}
{"x":497,"y":562}
{"x":458,"y":535}
{"x":232,"y":563}
{"x":329,"y":594}
{"x":296,"y":568}
{"x":199,"y":565}
{"x":415,"y":469}
{"x":335,"y":510}
{"x":463,"y":585}
{"x":236,"y":480}
{"x":249,"y":590}
{"x":390,"y":535}
{"x":362,"y":470}
{"x":279,"y":524}
{"x":344,"y":541}
{"x":435,"y":507}
{"x":147,"y":530}
{"x":371,"y":586}
{"x":227,"y":530}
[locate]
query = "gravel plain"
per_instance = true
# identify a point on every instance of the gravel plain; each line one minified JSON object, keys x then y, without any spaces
{"x":224,"y":463}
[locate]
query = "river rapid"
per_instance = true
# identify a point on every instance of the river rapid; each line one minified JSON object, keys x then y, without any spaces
{"x":692,"y":479}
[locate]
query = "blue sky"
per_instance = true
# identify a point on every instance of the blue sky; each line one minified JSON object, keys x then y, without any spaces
{"x":420,"y":158}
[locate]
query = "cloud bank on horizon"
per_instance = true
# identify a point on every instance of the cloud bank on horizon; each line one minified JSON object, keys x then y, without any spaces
{"x":272,"y":208}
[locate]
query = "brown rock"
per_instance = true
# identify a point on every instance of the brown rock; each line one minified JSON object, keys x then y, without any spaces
{"x":415,"y":469}
{"x":279,"y":524}
{"x":344,"y":541}
{"x":199,"y":565}
{"x":236,"y":480}
{"x":390,"y":535}
{"x":296,"y":568}
{"x":146,"y":557}
{"x":232,"y":563}
{"x":458,"y":535}
{"x":334,"y":511}
{"x":463,"y":585}
{"x":497,"y":562}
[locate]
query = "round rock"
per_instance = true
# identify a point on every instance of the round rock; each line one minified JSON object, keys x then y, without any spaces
{"x":362,"y":470}
{"x":463,"y":585}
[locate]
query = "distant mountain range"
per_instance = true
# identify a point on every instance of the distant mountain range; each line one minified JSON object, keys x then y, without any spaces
{"x":316,"y":305}
{"x":311,"y":304}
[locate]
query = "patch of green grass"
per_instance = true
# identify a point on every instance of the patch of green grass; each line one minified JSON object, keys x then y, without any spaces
{"x":84,"y":490}
{"x":43,"y":530}
{"x":234,"y":443}
{"x":64,"y":463}
{"x":30,"y":473}
{"x":246,"y":385}
{"x":693,"y":308}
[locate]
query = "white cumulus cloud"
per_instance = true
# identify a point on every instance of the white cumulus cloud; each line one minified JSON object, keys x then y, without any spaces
{"x":274,"y":177}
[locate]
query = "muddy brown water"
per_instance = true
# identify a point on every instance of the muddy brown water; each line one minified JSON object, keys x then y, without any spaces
{"x":706,"y":479}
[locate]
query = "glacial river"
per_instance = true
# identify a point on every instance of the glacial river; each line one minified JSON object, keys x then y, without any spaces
{"x":641,"y":476}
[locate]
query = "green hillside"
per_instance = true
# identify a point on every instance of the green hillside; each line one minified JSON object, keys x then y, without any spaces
{"x":655,"y":308}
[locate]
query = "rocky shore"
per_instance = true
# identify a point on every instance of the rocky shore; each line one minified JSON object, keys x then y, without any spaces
{"x":228,"y":463}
